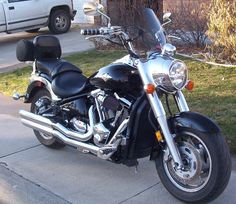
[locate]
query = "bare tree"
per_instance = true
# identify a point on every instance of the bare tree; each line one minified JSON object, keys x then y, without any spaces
{"x":189,"y":20}
{"x":122,"y":12}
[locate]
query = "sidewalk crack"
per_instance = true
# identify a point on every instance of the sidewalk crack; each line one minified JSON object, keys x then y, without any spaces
{"x":139,"y":193}
{"x":19,"y":151}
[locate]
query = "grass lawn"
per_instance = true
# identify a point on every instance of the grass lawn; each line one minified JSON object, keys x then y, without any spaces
{"x":214,"y":94}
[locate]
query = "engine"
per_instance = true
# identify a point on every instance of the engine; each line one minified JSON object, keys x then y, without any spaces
{"x":108,"y":113}
{"x":111,"y":112}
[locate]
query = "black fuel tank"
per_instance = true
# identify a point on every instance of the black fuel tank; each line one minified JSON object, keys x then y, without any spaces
{"x":117,"y":77}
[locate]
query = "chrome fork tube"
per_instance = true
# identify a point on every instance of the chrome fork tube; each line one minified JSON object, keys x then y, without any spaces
{"x":160,"y":114}
{"x":181,"y":102}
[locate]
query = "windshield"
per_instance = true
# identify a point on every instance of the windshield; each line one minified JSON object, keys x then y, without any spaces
{"x":151,"y":33}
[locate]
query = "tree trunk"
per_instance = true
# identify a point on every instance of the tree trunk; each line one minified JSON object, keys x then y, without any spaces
{"x":122,"y":12}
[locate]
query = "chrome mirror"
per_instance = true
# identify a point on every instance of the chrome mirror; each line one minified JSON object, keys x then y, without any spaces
{"x":95,"y":9}
{"x":92,"y":9}
{"x":166,"y":18}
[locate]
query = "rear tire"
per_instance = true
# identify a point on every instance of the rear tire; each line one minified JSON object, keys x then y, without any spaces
{"x":213,"y":168}
{"x":46,"y":140}
{"x":59,"y":22}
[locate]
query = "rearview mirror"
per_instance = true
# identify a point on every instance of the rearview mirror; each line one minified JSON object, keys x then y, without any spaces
{"x":95,"y":9}
{"x":166,"y":16}
{"x":92,"y":9}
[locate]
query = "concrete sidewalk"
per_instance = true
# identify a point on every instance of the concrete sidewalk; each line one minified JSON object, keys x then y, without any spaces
{"x":31,"y":173}
{"x":71,"y":42}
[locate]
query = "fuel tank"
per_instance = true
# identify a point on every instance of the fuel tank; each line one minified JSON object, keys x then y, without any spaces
{"x":117,"y":77}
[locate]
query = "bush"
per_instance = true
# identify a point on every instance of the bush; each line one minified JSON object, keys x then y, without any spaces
{"x":222,"y":29}
{"x":189,"y":21}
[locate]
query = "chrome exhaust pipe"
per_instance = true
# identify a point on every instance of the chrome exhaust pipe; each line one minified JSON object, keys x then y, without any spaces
{"x":48,"y":130}
{"x":68,"y":133}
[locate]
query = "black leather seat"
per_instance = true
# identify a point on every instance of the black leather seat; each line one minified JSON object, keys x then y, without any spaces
{"x":54,"y":67}
{"x":67,"y":79}
{"x":69,"y":84}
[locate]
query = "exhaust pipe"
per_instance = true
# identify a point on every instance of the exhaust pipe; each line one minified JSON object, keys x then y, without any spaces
{"x":72,"y":138}
{"x":48,"y":130}
{"x":69,"y":133}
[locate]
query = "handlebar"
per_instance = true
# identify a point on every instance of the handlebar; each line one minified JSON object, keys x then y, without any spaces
{"x":90,"y":32}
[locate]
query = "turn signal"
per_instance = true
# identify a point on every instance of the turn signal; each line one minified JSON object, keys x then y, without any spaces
{"x":150,"y":88}
{"x":159,"y":136}
{"x":190,"y":85}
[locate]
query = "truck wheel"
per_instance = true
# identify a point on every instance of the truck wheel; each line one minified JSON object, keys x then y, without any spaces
{"x":60,"y":22}
{"x":32,"y":30}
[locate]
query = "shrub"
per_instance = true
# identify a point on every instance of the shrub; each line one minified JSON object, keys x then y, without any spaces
{"x":222,"y":29}
{"x":189,"y":21}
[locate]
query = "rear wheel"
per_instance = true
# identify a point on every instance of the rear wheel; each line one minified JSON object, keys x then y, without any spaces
{"x":207,"y":167}
{"x":40,"y":102}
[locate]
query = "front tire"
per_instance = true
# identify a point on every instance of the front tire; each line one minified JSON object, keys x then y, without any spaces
{"x":59,"y":22}
{"x":208,"y":167}
{"x":41,"y":100}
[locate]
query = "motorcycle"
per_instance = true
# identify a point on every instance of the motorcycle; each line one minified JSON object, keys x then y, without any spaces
{"x":118,"y":113}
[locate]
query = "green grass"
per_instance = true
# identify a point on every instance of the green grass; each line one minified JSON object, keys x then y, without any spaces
{"x":214,"y":94}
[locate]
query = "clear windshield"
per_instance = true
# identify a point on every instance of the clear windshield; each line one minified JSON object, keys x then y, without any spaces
{"x":151,"y":33}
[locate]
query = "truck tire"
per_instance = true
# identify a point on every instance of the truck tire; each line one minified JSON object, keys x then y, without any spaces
{"x":59,"y":22}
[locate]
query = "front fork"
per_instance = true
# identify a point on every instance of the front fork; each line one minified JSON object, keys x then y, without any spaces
{"x":160,"y":115}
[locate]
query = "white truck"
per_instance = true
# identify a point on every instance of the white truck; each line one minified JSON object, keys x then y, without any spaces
{"x":31,"y":15}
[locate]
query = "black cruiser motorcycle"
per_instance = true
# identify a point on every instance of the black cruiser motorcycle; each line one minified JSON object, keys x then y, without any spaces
{"x":118,"y":113}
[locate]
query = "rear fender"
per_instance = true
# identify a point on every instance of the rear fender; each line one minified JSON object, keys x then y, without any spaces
{"x":37,"y":83}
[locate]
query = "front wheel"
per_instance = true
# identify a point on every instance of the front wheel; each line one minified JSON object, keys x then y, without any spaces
{"x":207,"y":163}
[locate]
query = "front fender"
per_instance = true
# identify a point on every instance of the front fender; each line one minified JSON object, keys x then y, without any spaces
{"x":195,"y":121}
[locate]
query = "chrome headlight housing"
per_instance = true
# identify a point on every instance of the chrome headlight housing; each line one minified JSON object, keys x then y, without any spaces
{"x":171,"y":76}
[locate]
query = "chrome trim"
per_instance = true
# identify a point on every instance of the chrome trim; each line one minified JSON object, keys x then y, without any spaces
{"x":95,"y":94}
{"x":34,"y":77}
{"x":57,"y":126}
{"x":45,"y":126}
{"x":123,"y":100}
{"x":47,"y":130}
{"x":114,"y":142}
{"x":168,"y":50}
{"x":159,"y":113}
{"x":120,"y":129}
{"x":181,"y":101}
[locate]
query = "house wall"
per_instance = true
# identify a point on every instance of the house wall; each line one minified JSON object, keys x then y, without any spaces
{"x":80,"y":17}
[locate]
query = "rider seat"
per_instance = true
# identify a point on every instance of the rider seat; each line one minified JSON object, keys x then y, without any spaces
{"x":66,"y":79}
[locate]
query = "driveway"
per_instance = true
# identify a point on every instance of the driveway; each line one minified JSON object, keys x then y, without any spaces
{"x":70,"y":42}
{"x":32,"y":173}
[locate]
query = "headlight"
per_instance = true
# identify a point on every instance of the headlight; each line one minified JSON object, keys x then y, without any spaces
{"x":172,"y":76}
{"x":178,"y":74}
